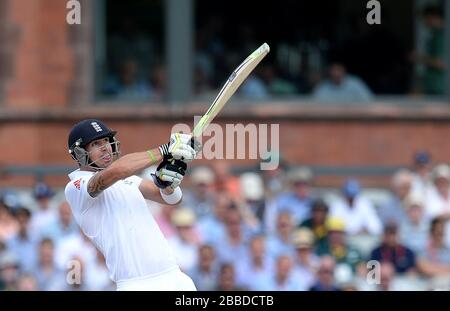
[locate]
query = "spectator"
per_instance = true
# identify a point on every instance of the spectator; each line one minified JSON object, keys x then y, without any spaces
{"x":186,"y":241}
{"x":63,"y":227}
{"x":280,"y":242}
{"x":8,"y":224}
{"x":225,"y":181}
{"x":128,"y":85}
{"x":337,"y":247}
{"x":164,"y":220}
{"x":387,"y":275}
{"x":227,"y":279}
{"x":342,"y":87}
{"x":276,"y":84}
{"x":434,"y":57}
{"x":45,"y":214}
{"x":358,"y":213}
{"x":297,"y":202}
{"x":325,"y":275}
{"x":274,"y":179}
{"x":253,"y":204}
{"x":434,"y":260}
{"x":394,"y":210}
{"x":284,"y":278}
{"x":76,"y":246}
{"x":305,"y":261}
{"x":438,"y":198}
{"x":201,"y":196}
{"x":415,"y":227}
{"x":232,"y":247}
{"x":254,"y":88}
{"x":421,"y":182}
{"x":206,"y":272}
{"x":202,"y":84}
{"x":97,"y":275}
{"x":212,"y":226}
{"x":317,"y":222}
{"x":257,"y":265}
{"x":390,"y":250}
{"x":27,"y":282}
{"x":9,"y":271}
{"x":48,"y":275}
{"x":2,"y":247}
{"x":158,"y":83}
{"x":23,"y":245}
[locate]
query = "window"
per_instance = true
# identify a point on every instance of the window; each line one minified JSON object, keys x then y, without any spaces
{"x":134,"y":65}
{"x":321,"y":48}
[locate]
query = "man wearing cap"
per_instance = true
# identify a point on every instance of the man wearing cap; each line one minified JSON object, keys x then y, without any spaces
{"x":337,"y":247}
{"x":413,"y":230}
{"x":421,"y":182}
{"x":306,"y":261}
{"x":187,"y":239}
{"x":45,"y":214}
{"x":358,"y":213}
{"x":297,"y":202}
{"x":201,"y":196}
{"x":108,"y":201}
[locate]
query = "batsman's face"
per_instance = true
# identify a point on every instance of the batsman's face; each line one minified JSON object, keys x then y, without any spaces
{"x":100,"y":152}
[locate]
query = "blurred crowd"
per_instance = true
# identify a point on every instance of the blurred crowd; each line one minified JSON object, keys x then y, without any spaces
{"x":266,"y":230}
{"x":369,"y":61}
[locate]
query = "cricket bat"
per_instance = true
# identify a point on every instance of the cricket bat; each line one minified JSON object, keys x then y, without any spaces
{"x":229,"y":88}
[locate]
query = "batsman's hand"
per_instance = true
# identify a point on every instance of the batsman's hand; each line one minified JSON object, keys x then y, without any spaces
{"x":169,"y":173}
{"x":181,"y":147}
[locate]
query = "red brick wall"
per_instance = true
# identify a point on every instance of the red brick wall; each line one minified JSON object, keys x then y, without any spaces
{"x":42,"y":61}
{"x":321,"y":142}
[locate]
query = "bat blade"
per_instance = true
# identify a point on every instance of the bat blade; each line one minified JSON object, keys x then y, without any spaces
{"x":229,"y":88}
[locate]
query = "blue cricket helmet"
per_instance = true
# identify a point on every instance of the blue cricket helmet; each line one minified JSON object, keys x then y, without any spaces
{"x":85,"y":132}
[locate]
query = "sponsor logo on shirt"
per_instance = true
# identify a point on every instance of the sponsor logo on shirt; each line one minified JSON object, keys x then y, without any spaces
{"x":128,"y":182}
{"x":77,"y":183}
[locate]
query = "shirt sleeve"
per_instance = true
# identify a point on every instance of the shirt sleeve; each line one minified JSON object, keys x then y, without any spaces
{"x":77,"y":195}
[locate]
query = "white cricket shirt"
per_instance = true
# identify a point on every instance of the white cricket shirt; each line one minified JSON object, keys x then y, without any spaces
{"x":120,"y":224}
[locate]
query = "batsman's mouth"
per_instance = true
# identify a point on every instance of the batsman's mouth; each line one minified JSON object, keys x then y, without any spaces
{"x":107,"y":158}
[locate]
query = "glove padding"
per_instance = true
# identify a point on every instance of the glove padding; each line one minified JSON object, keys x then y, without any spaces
{"x":169,"y":173}
{"x":180,"y":147}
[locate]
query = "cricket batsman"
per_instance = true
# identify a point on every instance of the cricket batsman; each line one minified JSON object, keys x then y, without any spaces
{"x":108,"y":203}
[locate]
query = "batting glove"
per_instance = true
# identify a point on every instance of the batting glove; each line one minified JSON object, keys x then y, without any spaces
{"x":180,"y":147}
{"x":169,"y":173}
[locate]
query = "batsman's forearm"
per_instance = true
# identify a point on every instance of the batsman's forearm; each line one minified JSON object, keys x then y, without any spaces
{"x":133,"y":163}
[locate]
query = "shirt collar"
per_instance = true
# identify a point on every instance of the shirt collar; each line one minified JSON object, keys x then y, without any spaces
{"x":77,"y":173}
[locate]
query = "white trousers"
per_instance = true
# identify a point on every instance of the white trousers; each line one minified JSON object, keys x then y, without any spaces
{"x":173,"y":280}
